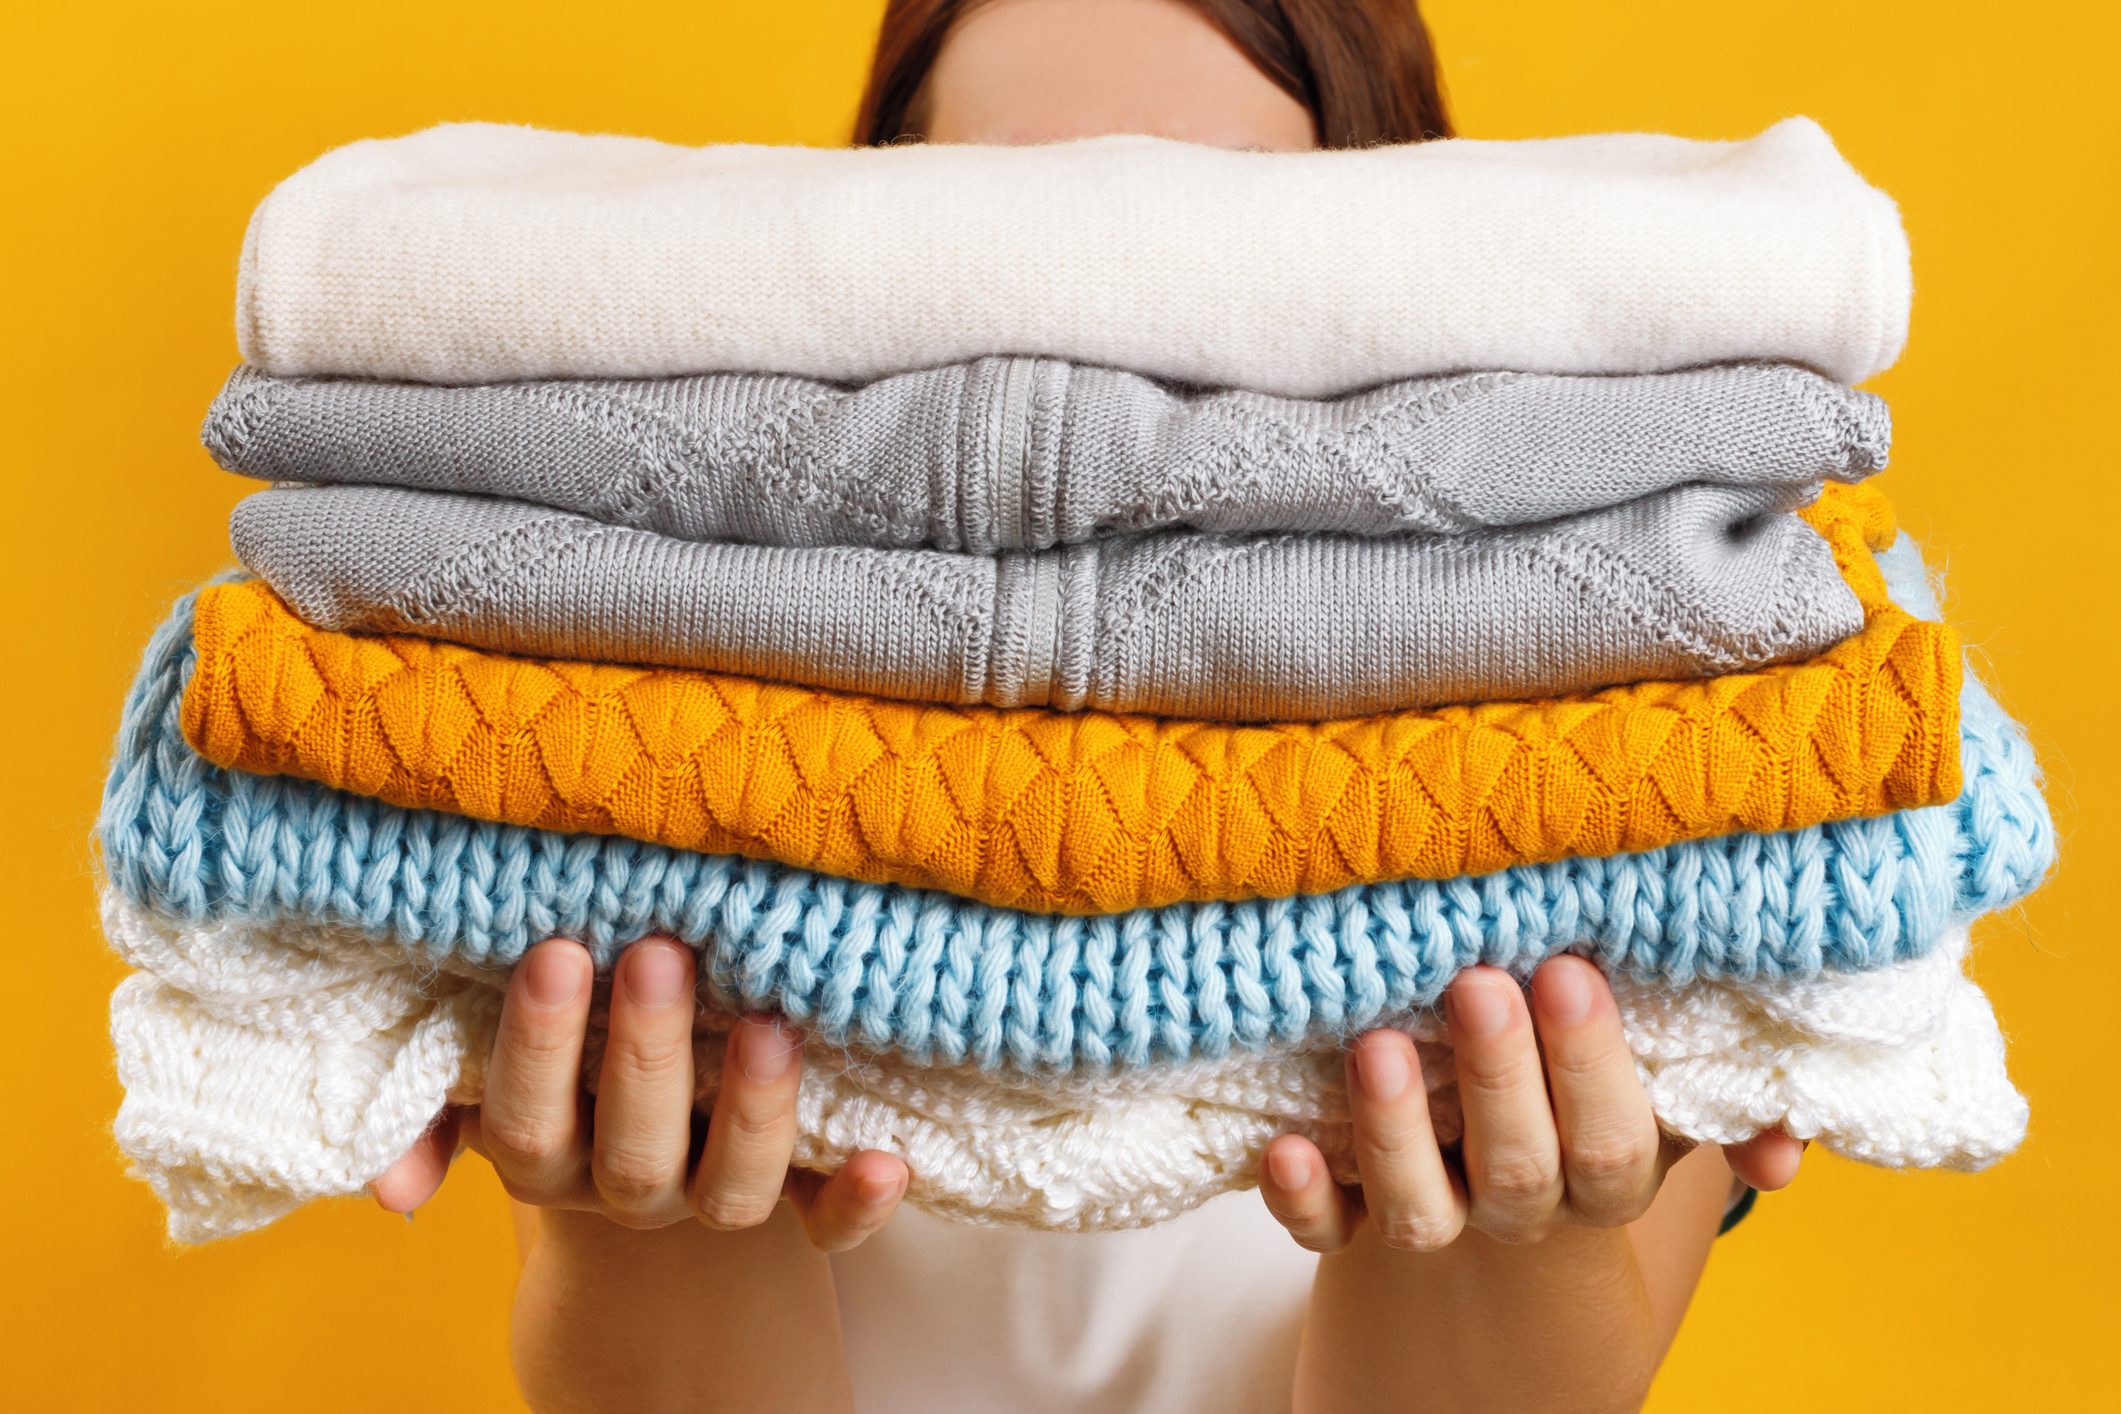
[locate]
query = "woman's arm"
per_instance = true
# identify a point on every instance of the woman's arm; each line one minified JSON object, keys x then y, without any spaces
{"x":1578,"y":1321}
{"x":661,"y":1270}
{"x":1544,"y":1266}
{"x":683,"y":1317}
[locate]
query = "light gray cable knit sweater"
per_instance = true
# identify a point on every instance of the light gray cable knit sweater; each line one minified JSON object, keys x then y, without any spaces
{"x":1697,"y":580}
{"x":1025,"y":454}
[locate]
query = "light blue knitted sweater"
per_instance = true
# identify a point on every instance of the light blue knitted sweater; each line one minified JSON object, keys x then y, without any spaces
{"x":943,"y":979}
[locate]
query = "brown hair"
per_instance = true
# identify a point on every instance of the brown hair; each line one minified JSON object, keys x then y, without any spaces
{"x":1365,"y":68}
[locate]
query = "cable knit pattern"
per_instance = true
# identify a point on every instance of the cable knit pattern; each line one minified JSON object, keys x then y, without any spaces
{"x":1089,"y":812}
{"x":956,"y":982}
{"x":474,"y":254}
{"x":345,"y":1052}
{"x":1686,"y":583}
{"x":1027,"y":454}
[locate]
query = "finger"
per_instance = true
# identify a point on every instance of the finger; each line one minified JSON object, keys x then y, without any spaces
{"x":643,"y":1128}
{"x":751,"y":1137}
{"x":1611,"y":1157}
{"x":1767,"y":1161}
{"x":1302,"y":1196}
{"x":1512,"y":1154}
{"x":840,"y":1212}
{"x":413,"y":1179}
{"x":530,"y":1117}
{"x":1408,"y":1190}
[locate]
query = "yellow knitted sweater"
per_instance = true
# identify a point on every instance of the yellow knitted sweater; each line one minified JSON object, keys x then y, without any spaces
{"x":1089,"y":812}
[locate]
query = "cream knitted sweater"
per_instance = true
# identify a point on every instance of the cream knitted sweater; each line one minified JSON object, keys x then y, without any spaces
{"x":474,"y":253}
{"x":269,"y":1064}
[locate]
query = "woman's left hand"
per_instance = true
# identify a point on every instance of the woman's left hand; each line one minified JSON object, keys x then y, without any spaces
{"x":1558,"y":1130}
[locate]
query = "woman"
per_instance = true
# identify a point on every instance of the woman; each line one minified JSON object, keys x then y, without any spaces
{"x":1543,"y":1263}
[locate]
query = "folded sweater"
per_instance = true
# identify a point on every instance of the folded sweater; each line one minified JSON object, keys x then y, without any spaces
{"x":941,"y":979}
{"x":269,"y":1064}
{"x":473,"y":253}
{"x":1686,"y":583}
{"x":1089,"y":812}
{"x":1026,"y":454}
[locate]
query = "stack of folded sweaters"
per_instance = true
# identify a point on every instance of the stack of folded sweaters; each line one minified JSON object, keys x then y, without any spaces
{"x":1082,"y":631}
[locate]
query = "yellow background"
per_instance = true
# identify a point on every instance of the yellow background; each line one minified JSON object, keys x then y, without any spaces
{"x":139,"y":136}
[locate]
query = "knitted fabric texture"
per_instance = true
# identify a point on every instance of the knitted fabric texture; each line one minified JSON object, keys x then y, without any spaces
{"x":266,"y":1065}
{"x":954,"y":982}
{"x":475,"y":254}
{"x":1026,"y":454}
{"x":1089,"y":812}
{"x":1684,"y":584}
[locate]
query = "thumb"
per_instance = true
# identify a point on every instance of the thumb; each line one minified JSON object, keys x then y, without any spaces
{"x":413,"y":1179}
{"x":1766,"y":1161}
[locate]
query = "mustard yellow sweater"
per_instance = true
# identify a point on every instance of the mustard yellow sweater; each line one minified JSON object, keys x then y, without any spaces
{"x":1089,"y":812}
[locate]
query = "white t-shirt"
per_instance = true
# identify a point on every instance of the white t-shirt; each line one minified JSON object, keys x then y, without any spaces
{"x":1200,"y":1313}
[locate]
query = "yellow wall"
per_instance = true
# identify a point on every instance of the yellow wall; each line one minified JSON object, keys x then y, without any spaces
{"x":137,"y":139}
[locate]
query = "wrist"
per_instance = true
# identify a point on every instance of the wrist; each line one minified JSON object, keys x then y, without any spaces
{"x":609,"y":1317}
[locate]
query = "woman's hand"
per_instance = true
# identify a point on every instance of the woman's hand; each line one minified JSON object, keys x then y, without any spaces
{"x":1560,"y":1150}
{"x":630,"y":1154}
{"x":1558,"y":1131}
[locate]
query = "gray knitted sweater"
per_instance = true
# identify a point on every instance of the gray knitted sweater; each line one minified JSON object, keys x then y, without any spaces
{"x":1695,"y":580}
{"x":1025,"y":454}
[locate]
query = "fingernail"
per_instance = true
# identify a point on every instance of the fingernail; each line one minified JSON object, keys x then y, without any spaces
{"x":552,"y":976}
{"x":656,"y":974}
{"x":1478,"y":1009}
{"x":1289,"y":1167}
{"x":1564,"y":993}
{"x":1381,"y":1069}
{"x":873,"y":1190}
{"x":764,"y":1051}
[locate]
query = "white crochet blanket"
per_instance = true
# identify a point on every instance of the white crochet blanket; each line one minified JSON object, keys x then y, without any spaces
{"x":474,"y":253}
{"x":268,"y":1065}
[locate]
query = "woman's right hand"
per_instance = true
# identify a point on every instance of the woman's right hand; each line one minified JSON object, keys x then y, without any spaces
{"x":629,"y":1154}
